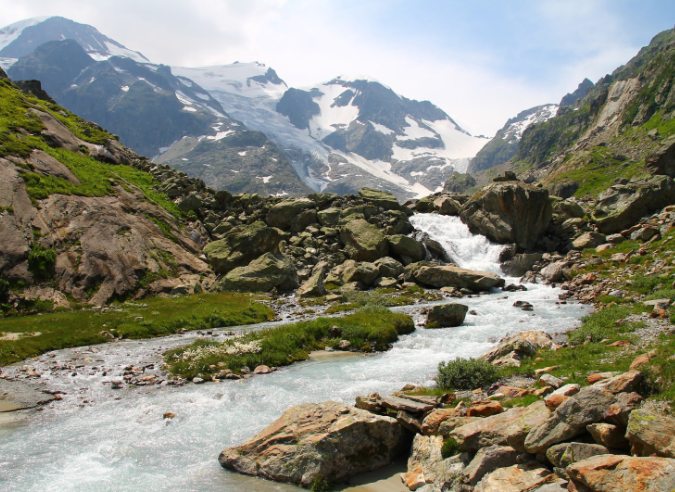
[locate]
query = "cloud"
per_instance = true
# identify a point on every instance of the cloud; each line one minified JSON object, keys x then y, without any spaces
{"x":482,"y":62}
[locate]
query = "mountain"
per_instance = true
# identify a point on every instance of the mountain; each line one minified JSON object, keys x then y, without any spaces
{"x":572,"y":97}
{"x":22,"y":38}
{"x":621,"y":124}
{"x":346,"y":133}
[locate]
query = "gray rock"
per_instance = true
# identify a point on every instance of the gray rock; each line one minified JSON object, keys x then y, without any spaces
{"x":563,"y":455}
{"x":446,"y":315}
{"x":262,"y":275}
{"x":487,"y":460}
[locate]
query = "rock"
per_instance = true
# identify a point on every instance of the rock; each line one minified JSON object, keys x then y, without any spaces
{"x":446,"y":315}
{"x":433,"y":421}
{"x":643,"y":359}
{"x":557,"y":486}
{"x":192,"y":202}
{"x":553,"y":401}
{"x":588,"y":240}
{"x":294,"y":214}
{"x":262,"y":369}
{"x":569,"y":209}
{"x":599,"y":376}
{"x":344,"y":345}
{"x":385,"y":282}
{"x":380,"y":198}
{"x":242,"y":245}
{"x":484,"y":409}
{"x":621,"y":206}
{"x":520,"y":264}
{"x":554,"y":271}
{"x":563,"y":455}
{"x":169,"y":415}
{"x":447,"y":206}
{"x":410,"y":422}
{"x":438,"y":276}
{"x":510,"y":212}
{"x":404,"y":246}
{"x":645,"y":233}
{"x":330,"y":440}
{"x":388,"y":267}
{"x":362,"y":272}
{"x":197,"y":380}
{"x":610,"y":473}
{"x":505,"y":429}
{"x":363,"y":241}
{"x":622,"y":383}
{"x":608,"y":435}
{"x":551,"y":381}
{"x":262,"y":275}
{"x":662,"y":161}
{"x":329,"y":217}
{"x":447,"y":426}
{"x":517,"y":478}
{"x":410,"y":406}
{"x":512,"y":349}
{"x":619,"y":412}
{"x":427,"y":466}
{"x":650,"y":433}
{"x":488,"y":460}
{"x":314,"y":285}
{"x":570,"y":418}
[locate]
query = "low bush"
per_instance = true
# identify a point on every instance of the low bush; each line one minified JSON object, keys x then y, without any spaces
{"x":465,"y":374}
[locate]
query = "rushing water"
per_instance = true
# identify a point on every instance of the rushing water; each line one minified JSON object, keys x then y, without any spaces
{"x":118,"y":440}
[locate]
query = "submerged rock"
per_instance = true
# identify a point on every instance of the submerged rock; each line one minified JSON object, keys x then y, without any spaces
{"x":330,"y":440}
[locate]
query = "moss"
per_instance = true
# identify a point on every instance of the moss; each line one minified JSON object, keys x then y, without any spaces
{"x":450,"y":448}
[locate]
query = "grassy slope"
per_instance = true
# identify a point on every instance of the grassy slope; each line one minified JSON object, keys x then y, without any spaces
{"x":42,"y":333}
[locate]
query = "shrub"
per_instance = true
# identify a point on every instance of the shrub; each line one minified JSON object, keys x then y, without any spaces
{"x":320,"y":484}
{"x":465,"y":374}
{"x":450,"y":448}
{"x":41,"y":261}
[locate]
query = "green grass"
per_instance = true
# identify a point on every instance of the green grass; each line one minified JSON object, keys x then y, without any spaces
{"x":160,"y":317}
{"x":367,"y":330}
{"x":389,"y":297}
{"x":450,"y":448}
{"x":465,"y":374}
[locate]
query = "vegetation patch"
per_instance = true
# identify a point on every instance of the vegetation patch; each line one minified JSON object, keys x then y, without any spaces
{"x":465,"y":374}
{"x":154,"y":317}
{"x":41,"y":261}
{"x":370,"y":329}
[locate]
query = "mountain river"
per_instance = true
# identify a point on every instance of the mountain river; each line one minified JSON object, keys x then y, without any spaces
{"x":98,"y":439}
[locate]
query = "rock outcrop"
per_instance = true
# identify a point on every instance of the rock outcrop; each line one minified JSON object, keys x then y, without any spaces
{"x":446,"y":315}
{"x":435,"y":275}
{"x":509,"y":212}
{"x":328,"y":440}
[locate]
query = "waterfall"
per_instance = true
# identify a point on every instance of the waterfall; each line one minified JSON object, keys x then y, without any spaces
{"x":467,"y":250}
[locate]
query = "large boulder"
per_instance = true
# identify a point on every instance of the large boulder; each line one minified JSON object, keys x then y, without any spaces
{"x":364,"y":272}
{"x":509,"y":428}
{"x":527,"y":477}
{"x":611,"y":473}
{"x":314,"y":285}
{"x":435,"y":275}
{"x":520,"y":264}
{"x":363,"y":241}
{"x":380,"y":198}
{"x":241,"y":245}
{"x":487,"y":460}
{"x":621,"y":206}
{"x":650,"y":434}
{"x":262,"y":275}
{"x":407,"y":248}
{"x":662,"y":161}
{"x":294,"y":214}
{"x":330,"y":440}
{"x":388,"y":267}
{"x":446,"y":315}
{"x":509,"y":212}
{"x":563,"y":455}
{"x":511,"y":350}
{"x":426,"y":464}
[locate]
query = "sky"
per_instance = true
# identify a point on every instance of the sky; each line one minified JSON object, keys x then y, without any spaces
{"x":480,"y":61}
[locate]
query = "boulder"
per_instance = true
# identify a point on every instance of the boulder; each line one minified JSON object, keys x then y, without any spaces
{"x":446,"y":315}
{"x":662,"y":161}
{"x":588,"y":240}
{"x":433,"y":420}
{"x":314,"y":285}
{"x":650,"y":434}
{"x":484,"y":409}
{"x":294,"y":214}
{"x":619,"y":412}
{"x":191,"y":203}
{"x":608,"y":435}
{"x":563,"y":455}
{"x":569,"y":209}
{"x":611,"y":473}
{"x":427,"y":466}
{"x":329,"y":217}
{"x":505,"y":429}
{"x":447,"y":206}
{"x":330,"y":440}
{"x":449,"y":425}
{"x":512,"y":349}
{"x":437,"y":276}
{"x":404,"y":246}
{"x":262,"y":275}
{"x":621,"y":206}
{"x":520,"y":264}
{"x":509,"y":212}
{"x":517,"y":478}
{"x":363,"y":272}
{"x":488,"y":460}
{"x":242,"y":245}
{"x":380,"y":198}
{"x":554,"y":272}
{"x":572,"y":416}
{"x":388,"y":267}
{"x":363,"y":241}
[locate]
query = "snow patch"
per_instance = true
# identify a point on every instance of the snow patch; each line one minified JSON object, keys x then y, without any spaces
{"x":190,"y":109}
{"x":382,"y":128}
{"x":414,"y":131}
{"x":242,"y":153}
{"x":221,"y":135}
{"x":125,"y":88}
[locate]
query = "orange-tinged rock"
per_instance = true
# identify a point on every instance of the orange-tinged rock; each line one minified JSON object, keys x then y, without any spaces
{"x":620,"y":343}
{"x":484,"y":409}
{"x":414,"y":479}
{"x":436,"y":417}
{"x":554,"y":401}
{"x":539,"y":372}
{"x":513,"y":392}
{"x":611,"y":473}
{"x":643,"y":359}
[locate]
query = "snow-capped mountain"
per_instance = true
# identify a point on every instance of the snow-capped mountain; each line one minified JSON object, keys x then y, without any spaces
{"x":347,"y":133}
{"x":21,"y":38}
